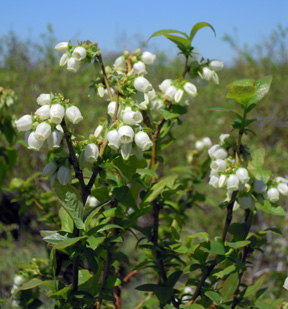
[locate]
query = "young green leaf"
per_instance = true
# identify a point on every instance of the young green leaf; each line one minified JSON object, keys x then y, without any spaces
{"x":167,"y":31}
{"x":199,"y":26}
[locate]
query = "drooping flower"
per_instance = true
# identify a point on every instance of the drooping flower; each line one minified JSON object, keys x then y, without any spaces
{"x":73,"y":64}
{"x":139,"y":68}
{"x":79,"y":53}
{"x":148,"y":58}
{"x":273,"y":195}
{"x":73,"y":114}
{"x":242,"y":174}
{"x":283,"y":188}
{"x":142,"y":140}
{"x":111,"y":109}
{"x":119,"y":63}
{"x":98,"y":131}
{"x":233,"y":183}
{"x":57,"y":112}
{"x":165,"y":84}
{"x":91,"y":153}
{"x":142,"y":84}
{"x":43,"y":130}
{"x":54,"y":139}
{"x":126,"y":134}
{"x":216,"y":65}
{"x":62,"y":47}
{"x":33,"y":143}
{"x":132,"y":117}
{"x":24,"y":123}
{"x":190,"y":89}
{"x":113,"y":139}
{"x":178,"y":95}
{"x":219,"y":165}
{"x":43,"y":112}
{"x":126,"y":151}
{"x":63,"y":60}
{"x":44,"y":98}
{"x":170,"y":93}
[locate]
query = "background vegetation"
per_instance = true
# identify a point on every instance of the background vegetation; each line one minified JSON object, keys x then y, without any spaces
{"x":31,"y":68}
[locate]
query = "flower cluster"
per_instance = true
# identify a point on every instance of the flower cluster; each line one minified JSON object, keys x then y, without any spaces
{"x":208,"y":71}
{"x":205,"y":142}
{"x":62,"y":173}
{"x":45,"y":126}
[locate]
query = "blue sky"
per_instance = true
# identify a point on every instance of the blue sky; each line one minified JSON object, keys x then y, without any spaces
{"x":109,"y":22}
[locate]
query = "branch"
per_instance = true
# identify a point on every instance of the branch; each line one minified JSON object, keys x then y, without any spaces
{"x":99,"y":56}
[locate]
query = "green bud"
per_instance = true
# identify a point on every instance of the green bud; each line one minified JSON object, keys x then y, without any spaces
{"x":137,"y":51}
{"x":126,"y":53}
{"x":134,"y":59}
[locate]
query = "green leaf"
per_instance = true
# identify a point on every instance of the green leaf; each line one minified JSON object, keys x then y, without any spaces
{"x":262,"y":87}
{"x":263,"y":305}
{"x":176,"y":227}
{"x":217,"y":247}
{"x":55,"y":238}
{"x":146,"y":287}
{"x":241,"y":90}
{"x":129,"y":167}
{"x":68,"y":242}
{"x":237,"y":244}
{"x":223,"y":109}
{"x":94,"y":242}
{"x":163,"y":293}
{"x":194,"y":306}
{"x":229,"y":287}
{"x":214,"y":296}
{"x":173,"y":278}
{"x":66,"y":221}
{"x":183,"y":44}
{"x":167,"y":31}
{"x":199,"y":26}
{"x":16,"y":184}
{"x":84,"y":275}
{"x":71,"y":201}
{"x":226,"y":271}
{"x":251,"y":290}
{"x":168,"y":115}
{"x":239,"y":231}
{"x":147,"y":171}
{"x":270,"y":209}
{"x":203,"y":235}
{"x":255,"y":166}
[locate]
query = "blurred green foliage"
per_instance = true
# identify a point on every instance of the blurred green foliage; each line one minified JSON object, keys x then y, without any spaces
{"x":31,"y":68}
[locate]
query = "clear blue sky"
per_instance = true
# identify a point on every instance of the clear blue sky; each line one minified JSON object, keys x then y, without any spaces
{"x":109,"y":21}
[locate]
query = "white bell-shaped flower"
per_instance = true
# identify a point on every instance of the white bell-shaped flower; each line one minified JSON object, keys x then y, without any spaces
{"x":190,"y":89}
{"x":223,"y":137}
{"x":91,"y":153}
{"x":57,"y":112}
{"x":139,"y":68}
{"x":246,"y":202}
{"x":62,"y":47}
{"x":63,"y":60}
{"x":34,"y":143}
{"x":156,"y":105}
{"x":142,"y":140}
{"x":207,"y":141}
{"x":44,"y":98}
{"x":92,"y":201}
{"x":126,"y":151}
{"x":170,"y":93}
{"x":100,"y":91}
{"x":64,"y":175}
{"x":49,"y":169}
{"x":148,"y":58}
{"x":285,"y":285}
{"x":216,"y":65}
{"x":207,"y":73}
{"x":219,"y":153}
{"x":141,"y":84}
{"x":43,"y":130}
{"x":282,"y":179}
{"x":43,"y":112}
{"x":24,"y":123}
{"x":219,"y":165}
{"x":215,"y":78}
{"x":165,"y":84}
{"x":79,"y":53}
{"x":273,"y":195}
{"x":132,"y":118}
{"x":233,"y":183}
{"x":73,"y":114}
{"x":151,"y":95}
{"x":19,"y":280}
{"x":214,"y":181}
{"x":242,"y":174}
{"x":111,"y":109}
{"x":98,"y":131}
{"x":260,"y":186}
{"x":73,"y":64}
{"x":113,"y":139}
{"x":222,"y":181}
{"x":199,"y":145}
{"x":283,"y":188}
{"x":178,"y":95}
{"x":126,"y":134}
{"x":119,"y":63}
{"x":54,"y":139}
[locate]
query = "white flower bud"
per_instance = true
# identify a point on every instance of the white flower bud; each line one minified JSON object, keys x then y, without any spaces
{"x":283,"y":188}
{"x":273,"y":195}
{"x":216,"y":65}
{"x":79,"y":53}
{"x":190,"y":89}
{"x":19,"y":280}
{"x":73,"y":114}
{"x":139,"y":68}
{"x":62,"y":47}
{"x":207,"y":141}
{"x":215,"y":78}
{"x":222,"y":181}
{"x":246,"y":202}
{"x":119,"y":63}
{"x":170,"y":93}
{"x":111,"y":109}
{"x":214,"y":181}
{"x":44,"y":98}
{"x":165,"y":84}
{"x":43,"y":112}
{"x":91,"y":153}
{"x":59,"y":128}
{"x":64,"y":175}
{"x":143,"y":141}
{"x":132,"y":118}
{"x":142,"y":84}
{"x":49,"y":169}
{"x":220,"y":153}
{"x":222,"y":137}
{"x":285,"y":285}
{"x":178,"y":95}
{"x":260,"y":186}
{"x":233,"y":183}
{"x":63,"y":60}
{"x":207,"y":73}
{"x":156,"y":105}
{"x":113,"y":139}
{"x":43,"y":130}
{"x":57,"y":112}
{"x":92,"y":201}
{"x":126,"y":151}
{"x":199,"y":145}
{"x":126,"y":134}
{"x":54,"y":139}
{"x":148,"y":58}
{"x":98,"y":131}
{"x":24,"y":123}
{"x":100,"y":91}
{"x":219,"y":165}
{"x":34,"y":143}
{"x":151,"y":95}
{"x":242,"y":174}
{"x":282,"y":179}
{"x":73,"y":65}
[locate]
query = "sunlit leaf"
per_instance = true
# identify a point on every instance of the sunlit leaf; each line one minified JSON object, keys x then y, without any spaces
{"x":199,"y":26}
